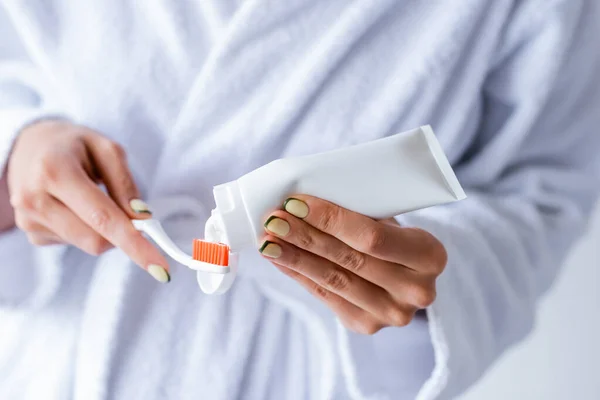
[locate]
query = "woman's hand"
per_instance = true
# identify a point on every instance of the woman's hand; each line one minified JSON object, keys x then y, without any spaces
{"x":7,"y":216}
{"x":372,"y":274}
{"x":53,"y":175}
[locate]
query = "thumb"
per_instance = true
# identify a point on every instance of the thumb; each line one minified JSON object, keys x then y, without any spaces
{"x":110,"y":162}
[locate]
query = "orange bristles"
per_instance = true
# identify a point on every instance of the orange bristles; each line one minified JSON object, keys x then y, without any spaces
{"x":209,"y":252}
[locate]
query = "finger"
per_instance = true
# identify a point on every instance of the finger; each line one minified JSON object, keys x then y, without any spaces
{"x":403,"y":285}
{"x":45,"y":216}
{"x":7,"y":217}
{"x":304,"y":236}
{"x":27,"y":223}
{"x":103,"y":215}
{"x":42,"y":240}
{"x":37,"y":233}
{"x":420,"y":292}
{"x":110,"y":162}
{"x":328,"y":275}
{"x":413,"y":248}
{"x":71,"y":229}
{"x":353,"y":317}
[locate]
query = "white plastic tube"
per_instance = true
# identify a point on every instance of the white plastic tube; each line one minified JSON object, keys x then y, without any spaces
{"x":379,"y":179}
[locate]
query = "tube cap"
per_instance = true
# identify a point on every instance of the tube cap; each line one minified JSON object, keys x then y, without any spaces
{"x":234,"y":220}
{"x":229,"y":223}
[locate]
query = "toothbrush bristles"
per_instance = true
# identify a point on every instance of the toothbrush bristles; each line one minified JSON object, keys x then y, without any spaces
{"x":209,"y":252}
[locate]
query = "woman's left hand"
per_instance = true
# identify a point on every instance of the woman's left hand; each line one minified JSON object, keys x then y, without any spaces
{"x":372,"y":274}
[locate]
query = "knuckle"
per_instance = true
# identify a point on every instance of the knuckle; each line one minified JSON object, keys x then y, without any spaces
{"x":28,"y":201}
{"x":15,"y":201}
{"x":305,"y":240}
{"x":336,"y":279}
{"x":94,"y":245}
{"x":422,"y":297}
{"x":100,"y":220}
{"x":440,"y":258}
{"x":398,"y":316}
{"x":36,"y":240}
{"x":50,"y":168}
{"x":328,"y":219}
{"x":20,"y":201}
{"x":74,"y":148}
{"x":351,"y":260}
{"x":435,"y":255}
{"x":364,"y":326}
{"x":23,"y":223}
{"x":294,"y":260}
{"x":114,"y":148}
{"x":320,"y":291}
{"x":373,"y":239}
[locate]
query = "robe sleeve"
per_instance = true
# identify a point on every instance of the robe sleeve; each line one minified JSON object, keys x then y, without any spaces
{"x":532,"y":176}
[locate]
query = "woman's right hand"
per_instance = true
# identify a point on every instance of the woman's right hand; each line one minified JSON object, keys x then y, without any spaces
{"x":53,"y":175}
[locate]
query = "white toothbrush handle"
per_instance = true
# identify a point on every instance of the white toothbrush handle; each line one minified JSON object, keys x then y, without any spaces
{"x":154,"y":229}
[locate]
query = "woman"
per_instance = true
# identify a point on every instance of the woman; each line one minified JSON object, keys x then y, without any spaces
{"x":162,"y":101}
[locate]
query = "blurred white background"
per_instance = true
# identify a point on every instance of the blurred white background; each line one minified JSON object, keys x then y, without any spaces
{"x":561,"y":359}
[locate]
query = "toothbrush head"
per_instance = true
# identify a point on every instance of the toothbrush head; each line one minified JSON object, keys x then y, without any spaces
{"x":212,"y":253}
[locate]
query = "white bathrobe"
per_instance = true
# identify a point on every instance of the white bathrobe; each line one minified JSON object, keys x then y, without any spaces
{"x":201,"y":91}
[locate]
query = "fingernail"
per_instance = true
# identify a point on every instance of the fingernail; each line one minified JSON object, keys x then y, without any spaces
{"x":278,"y":226}
{"x":296,"y":207}
{"x":139,"y":206}
{"x":270,"y":249}
{"x":159,"y":273}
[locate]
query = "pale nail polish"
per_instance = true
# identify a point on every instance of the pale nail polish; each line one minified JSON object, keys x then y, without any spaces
{"x":296,"y":207}
{"x":159,"y":273}
{"x":278,"y":226}
{"x":139,"y":206}
{"x":271,"y":250}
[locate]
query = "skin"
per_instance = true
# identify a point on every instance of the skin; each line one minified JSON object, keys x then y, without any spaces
{"x":53,"y":178}
{"x":7,"y":216}
{"x":372,"y":274}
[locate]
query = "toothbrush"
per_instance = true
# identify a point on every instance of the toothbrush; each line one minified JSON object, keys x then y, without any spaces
{"x":212,"y":253}
{"x":208,"y":257}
